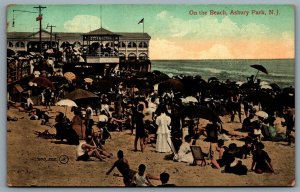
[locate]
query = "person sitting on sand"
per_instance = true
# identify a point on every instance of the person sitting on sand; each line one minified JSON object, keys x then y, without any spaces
{"x":227,"y":157}
{"x":85,"y":151}
{"x":114,"y":123}
{"x":103,"y":152}
{"x":123,"y":167}
{"x":164,"y":178}
{"x":245,"y":150}
{"x":103,"y":119}
{"x":248,"y":123}
{"x":45,"y":116}
{"x":141,"y":179}
{"x":220,"y":148}
{"x":261,"y":162}
{"x":185,"y":153}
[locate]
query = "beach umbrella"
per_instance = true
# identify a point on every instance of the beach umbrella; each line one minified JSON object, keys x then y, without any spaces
{"x":198,"y":111}
{"x":259,"y":96}
{"x":263,"y":83}
{"x":66,"y":103}
{"x":275,"y":87}
{"x":259,"y":68}
{"x":70,"y":76}
{"x":189,"y":99}
{"x":211,"y":79}
{"x":88,"y":80}
{"x":80,"y":94}
{"x":265,"y":87}
{"x":262,"y":114}
{"x":43,"y":82}
{"x":173,"y":84}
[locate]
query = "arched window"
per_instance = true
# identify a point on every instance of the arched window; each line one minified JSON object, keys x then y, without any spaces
{"x":143,"y":45}
{"x":10,"y":44}
{"x":122,"y":44}
{"x":20,"y":44}
{"x":131,"y":44}
{"x":122,"y":56}
{"x":143,"y":56}
{"x":131,"y":56}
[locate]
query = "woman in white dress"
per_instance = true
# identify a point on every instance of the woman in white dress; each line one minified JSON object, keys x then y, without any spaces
{"x":163,"y":122}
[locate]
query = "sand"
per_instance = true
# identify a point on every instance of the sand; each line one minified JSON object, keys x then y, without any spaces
{"x":36,"y":161}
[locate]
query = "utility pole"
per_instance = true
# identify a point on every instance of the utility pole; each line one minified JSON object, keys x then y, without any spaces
{"x":39,"y":18}
{"x":50,"y":26}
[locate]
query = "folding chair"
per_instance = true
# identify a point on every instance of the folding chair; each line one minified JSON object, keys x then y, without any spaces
{"x":198,"y":155}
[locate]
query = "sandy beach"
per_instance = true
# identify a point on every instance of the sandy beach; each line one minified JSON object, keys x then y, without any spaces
{"x":36,"y":161}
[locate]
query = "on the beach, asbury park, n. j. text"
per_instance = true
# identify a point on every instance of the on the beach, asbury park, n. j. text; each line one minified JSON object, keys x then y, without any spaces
{"x":255,"y":12}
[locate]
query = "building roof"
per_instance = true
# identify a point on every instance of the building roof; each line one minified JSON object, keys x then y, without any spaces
{"x":135,"y":35}
{"x":100,"y":31}
{"x":61,"y":35}
{"x":18,"y":34}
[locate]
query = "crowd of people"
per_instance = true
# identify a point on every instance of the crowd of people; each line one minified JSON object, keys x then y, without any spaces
{"x":156,"y":117}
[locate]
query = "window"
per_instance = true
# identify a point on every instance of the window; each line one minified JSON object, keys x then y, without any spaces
{"x":143,"y":56}
{"x":122,"y":44}
{"x":131,"y":56}
{"x":20,"y":44}
{"x":131,"y":45}
{"x":10,"y":44}
{"x":143,"y":45}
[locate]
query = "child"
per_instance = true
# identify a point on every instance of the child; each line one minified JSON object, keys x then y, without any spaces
{"x":140,"y":178}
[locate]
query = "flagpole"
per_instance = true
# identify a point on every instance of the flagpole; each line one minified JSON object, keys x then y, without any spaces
{"x":143,"y":25}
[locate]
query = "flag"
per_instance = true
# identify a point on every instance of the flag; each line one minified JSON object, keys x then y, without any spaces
{"x":141,"y":21}
{"x":40,"y":17}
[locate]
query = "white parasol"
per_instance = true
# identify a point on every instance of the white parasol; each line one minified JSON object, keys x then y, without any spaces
{"x":262,"y":114}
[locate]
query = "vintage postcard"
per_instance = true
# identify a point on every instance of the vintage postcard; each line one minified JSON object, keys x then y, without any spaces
{"x":175,"y":95}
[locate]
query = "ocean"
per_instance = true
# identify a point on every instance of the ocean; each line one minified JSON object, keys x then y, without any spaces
{"x":280,"y":71}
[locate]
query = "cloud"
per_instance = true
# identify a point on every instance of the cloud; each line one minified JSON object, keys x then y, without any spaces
{"x":162,"y":49}
{"x":209,"y":27}
{"x":217,"y":51}
{"x":82,"y":23}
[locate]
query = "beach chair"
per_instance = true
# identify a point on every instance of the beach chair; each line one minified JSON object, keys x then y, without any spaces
{"x":198,"y":155}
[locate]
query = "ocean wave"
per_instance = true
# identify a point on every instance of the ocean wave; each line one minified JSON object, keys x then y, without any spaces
{"x":280,"y":71}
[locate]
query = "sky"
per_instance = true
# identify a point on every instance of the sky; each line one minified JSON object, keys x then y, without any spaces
{"x":178,"y":31}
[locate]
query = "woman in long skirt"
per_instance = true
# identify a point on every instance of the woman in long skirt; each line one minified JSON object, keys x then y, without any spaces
{"x":163,"y":122}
